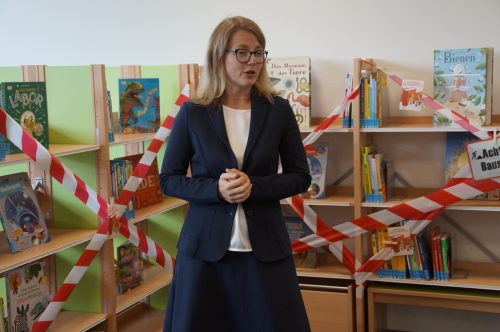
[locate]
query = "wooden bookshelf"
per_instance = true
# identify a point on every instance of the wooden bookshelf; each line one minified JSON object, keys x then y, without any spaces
{"x":141,"y":318}
{"x":154,"y":279}
{"x":56,"y":149}
{"x":60,"y":239}
{"x":402,"y":195}
{"x":335,"y":127}
{"x":327,"y":267}
{"x":76,"y":321}
{"x":168,"y":203}
{"x":121,"y":139}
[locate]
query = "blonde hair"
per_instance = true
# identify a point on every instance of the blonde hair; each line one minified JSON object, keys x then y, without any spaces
{"x":213,"y":79}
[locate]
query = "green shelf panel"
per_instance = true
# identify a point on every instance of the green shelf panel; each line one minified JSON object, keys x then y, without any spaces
{"x":69,"y":211}
{"x":70,"y":105}
{"x":86,"y":297}
{"x":10,"y":74}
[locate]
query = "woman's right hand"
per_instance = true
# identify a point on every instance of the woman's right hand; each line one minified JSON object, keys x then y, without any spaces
{"x":234,"y":186}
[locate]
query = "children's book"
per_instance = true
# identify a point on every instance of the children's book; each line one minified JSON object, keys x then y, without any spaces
{"x":26,"y":103}
{"x":316,"y":158}
{"x":148,"y":193}
{"x":139,"y":105}
{"x":20,"y":214}
{"x":28,"y":295}
{"x":411,"y":95}
{"x":297,"y":229}
{"x":463,"y":82}
{"x":111,"y":129}
{"x":291,"y":77}
{"x":130,"y":267}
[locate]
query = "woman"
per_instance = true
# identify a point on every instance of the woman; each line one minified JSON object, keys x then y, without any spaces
{"x":234,"y":270}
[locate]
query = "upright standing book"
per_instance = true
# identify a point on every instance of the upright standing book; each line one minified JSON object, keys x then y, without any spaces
{"x":20,"y":214}
{"x":139,"y":105}
{"x":317,"y":156}
{"x":130,"y":267}
{"x":26,"y":103}
{"x":148,"y":193}
{"x":28,"y":295}
{"x":291,"y":77}
{"x":463,"y":80}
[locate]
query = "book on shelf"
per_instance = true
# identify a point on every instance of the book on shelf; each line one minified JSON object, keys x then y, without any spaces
{"x":456,"y":157}
{"x":297,"y":229}
{"x":20,"y":214}
{"x":373,"y":99}
{"x":109,"y":107}
{"x":375,"y":175}
{"x":121,"y":170}
{"x":411,"y":95}
{"x":130,"y":267}
{"x":463,"y":81}
{"x":28,"y":295}
{"x":3,"y":321}
{"x":291,"y":77}
{"x":148,"y":193}
{"x":347,"y":120}
{"x":139,"y":105}
{"x":26,"y":103}
{"x":317,"y":156}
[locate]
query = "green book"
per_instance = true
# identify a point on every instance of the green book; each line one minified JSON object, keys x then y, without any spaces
{"x":26,"y":103}
{"x":446,"y":253}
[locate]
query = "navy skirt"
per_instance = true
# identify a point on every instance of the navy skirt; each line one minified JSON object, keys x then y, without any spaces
{"x":236,"y":294}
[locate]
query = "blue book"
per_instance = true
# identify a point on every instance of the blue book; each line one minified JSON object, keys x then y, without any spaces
{"x":139,"y":105}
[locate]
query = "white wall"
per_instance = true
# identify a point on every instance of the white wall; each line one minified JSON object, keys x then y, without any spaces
{"x":400,"y":34}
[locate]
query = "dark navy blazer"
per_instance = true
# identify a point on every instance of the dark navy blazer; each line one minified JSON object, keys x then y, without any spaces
{"x":198,"y":139}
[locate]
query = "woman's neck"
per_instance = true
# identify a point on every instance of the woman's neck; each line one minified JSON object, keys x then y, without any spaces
{"x":237,"y":101}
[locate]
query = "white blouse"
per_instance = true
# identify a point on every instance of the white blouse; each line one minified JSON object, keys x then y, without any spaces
{"x":237,"y":129}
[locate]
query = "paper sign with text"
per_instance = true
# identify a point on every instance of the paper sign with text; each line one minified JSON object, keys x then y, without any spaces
{"x":484,"y":159}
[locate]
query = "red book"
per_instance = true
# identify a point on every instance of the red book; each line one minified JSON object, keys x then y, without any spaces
{"x":149,"y":192}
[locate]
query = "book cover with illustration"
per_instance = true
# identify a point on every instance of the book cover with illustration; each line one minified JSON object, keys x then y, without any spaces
{"x":139,"y":105}
{"x":463,"y":82}
{"x":148,"y":193}
{"x":411,"y":95}
{"x":130,"y":267}
{"x":20,"y":214}
{"x":297,"y":229}
{"x":26,"y":103}
{"x":456,"y":157}
{"x":291,"y":77}
{"x":317,"y":155}
{"x":28,"y":295}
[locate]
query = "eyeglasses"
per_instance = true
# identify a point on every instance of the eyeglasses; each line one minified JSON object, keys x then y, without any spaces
{"x":243,"y":55}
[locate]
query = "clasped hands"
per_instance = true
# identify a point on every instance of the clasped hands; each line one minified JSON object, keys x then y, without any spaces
{"x":234,"y":186}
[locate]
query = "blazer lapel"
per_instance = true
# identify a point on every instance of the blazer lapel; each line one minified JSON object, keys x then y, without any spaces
{"x":259,"y":111}
{"x":217,"y":119}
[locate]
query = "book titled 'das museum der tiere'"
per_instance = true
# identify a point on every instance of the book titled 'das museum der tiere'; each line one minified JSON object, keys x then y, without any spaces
{"x":291,"y":77}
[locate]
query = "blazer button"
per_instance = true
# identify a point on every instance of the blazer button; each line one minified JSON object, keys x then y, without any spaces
{"x":229,"y":213}
{"x":249,"y":212}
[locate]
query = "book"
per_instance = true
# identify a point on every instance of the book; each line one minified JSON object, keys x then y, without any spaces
{"x":463,"y":81}
{"x":148,"y":193}
{"x":297,"y":229}
{"x":446,"y":255}
{"x":121,"y":170}
{"x":130,"y":267}
{"x":291,"y":77}
{"x":456,"y":157}
{"x":20,"y":215}
{"x":411,"y":95}
{"x":26,"y":103}
{"x":3,"y":321}
{"x":139,"y":105}
{"x":109,"y":106}
{"x":28,"y":295}
{"x":317,"y":156}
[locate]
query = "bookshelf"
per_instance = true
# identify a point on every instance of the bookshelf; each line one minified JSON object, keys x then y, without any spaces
{"x":77,"y":139}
